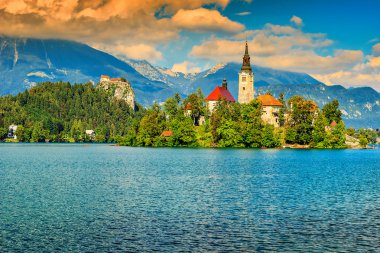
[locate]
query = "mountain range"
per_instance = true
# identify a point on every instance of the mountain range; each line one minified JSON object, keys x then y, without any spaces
{"x":24,"y":62}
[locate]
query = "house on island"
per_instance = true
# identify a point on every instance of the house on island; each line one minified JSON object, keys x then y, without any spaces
{"x":91,"y":134}
{"x":219,"y":93}
{"x":187,"y":110}
{"x":12,"y":129}
{"x":167,"y":133}
{"x":271,"y":109}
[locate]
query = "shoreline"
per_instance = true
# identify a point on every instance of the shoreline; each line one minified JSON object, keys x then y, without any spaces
{"x":282,"y":147}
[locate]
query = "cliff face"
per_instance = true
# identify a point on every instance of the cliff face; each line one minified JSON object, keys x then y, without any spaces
{"x":120,"y":90}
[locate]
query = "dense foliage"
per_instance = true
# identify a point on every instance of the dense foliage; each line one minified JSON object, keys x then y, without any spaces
{"x":60,"y":112}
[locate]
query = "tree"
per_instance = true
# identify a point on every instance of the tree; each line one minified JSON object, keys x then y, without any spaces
{"x":281,"y":113}
{"x":196,"y":101}
{"x":38,"y":133}
{"x":332,"y":112}
{"x":319,"y":132}
{"x":171,"y":107}
{"x":302,"y":114}
{"x":270,"y":139}
{"x":228,"y":133}
{"x":337,"y":136}
{"x":183,"y":131}
{"x":3,"y":133}
{"x":363,"y":141}
{"x":151,"y":126}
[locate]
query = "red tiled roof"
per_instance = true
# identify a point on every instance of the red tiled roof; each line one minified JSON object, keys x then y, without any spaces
{"x":167,"y":133}
{"x":116,"y":79}
{"x":333,"y":124}
{"x":220,"y":93}
{"x":187,"y":107}
{"x":269,"y":100}
{"x":103,"y":76}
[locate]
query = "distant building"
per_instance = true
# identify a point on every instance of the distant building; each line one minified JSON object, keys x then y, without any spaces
{"x":12,"y":131}
{"x":122,"y":89}
{"x":219,"y":93}
{"x":167,"y":133}
{"x":90,"y":133}
{"x":187,"y":110}
{"x":104,"y":78}
{"x":246,"y":80}
{"x":271,"y":109}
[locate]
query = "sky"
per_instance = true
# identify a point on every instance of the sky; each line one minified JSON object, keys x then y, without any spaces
{"x":337,"y":42}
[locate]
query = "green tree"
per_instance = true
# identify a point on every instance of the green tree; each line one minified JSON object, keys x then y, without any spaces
{"x":302,"y":114}
{"x":319,"y":133}
{"x":332,"y":112}
{"x":171,"y":107}
{"x":281,"y":113}
{"x":363,"y":141}
{"x":270,"y":139}
{"x":196,"y":101}
{"x":337,"y":136}
{"x":3,"y":133}
{"x":229,"y":135}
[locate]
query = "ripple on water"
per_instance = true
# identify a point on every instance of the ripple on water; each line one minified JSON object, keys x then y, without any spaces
{"x":104,"y":198}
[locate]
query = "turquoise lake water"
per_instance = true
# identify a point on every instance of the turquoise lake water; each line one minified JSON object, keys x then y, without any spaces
{"x":102,"y":198}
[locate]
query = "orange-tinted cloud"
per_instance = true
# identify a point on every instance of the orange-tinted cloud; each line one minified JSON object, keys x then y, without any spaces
{"x":376,"y":48}
{"x":205,"y":20}
{"x":296,"y":20}
{"x":110,"y":22}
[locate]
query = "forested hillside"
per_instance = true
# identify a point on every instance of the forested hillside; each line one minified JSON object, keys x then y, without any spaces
{"x":62,"y":112}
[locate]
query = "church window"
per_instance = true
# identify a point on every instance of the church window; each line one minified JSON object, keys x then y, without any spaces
{"x":243,"y":78}
{"x":243,"y":88}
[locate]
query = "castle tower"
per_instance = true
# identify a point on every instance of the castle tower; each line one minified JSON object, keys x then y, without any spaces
{"x":246,"y":80}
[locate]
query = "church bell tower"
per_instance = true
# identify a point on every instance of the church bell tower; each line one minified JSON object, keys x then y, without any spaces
{"x":246,"y":80}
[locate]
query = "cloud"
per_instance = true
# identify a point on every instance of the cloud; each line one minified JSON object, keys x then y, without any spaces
{"x":374,"y":62}
{"x":376,"y":49}
{"x":351,"y":79}
{"x":112,"y":22}
{"x":185,"y":67}
{"x":205,"y":20}
{"x":244,"y":13}
{"x":274,"y":41}
{"x":288,"y":48}
{"x":296,"y":20}
{"x":138,"y":51}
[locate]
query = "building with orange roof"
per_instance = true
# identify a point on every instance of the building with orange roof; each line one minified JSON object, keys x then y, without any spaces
{"x":271,"y":109}
{"x":218,"y":94}
{"x":167,"y":133}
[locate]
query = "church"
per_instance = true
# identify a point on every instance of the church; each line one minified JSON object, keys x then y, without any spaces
{"x":246,"y":93}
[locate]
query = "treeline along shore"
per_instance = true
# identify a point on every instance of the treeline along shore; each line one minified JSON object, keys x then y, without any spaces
{"x":61,"y":112}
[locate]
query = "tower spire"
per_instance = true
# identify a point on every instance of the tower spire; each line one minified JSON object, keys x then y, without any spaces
{"x":246,"y":59}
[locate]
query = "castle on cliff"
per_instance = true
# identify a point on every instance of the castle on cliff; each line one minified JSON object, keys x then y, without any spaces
{"x":120,"y":88}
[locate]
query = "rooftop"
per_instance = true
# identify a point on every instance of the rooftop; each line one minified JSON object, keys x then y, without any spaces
{"x":220,"y":93}
{"x":269,"y":100}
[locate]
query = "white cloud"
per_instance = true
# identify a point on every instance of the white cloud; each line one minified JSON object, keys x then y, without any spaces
{"x":244,"y":13}
{"x":296,"y":20}
{"x":185,"y":67}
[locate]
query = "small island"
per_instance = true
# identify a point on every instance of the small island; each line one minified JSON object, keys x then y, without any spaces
{"x":107,"y":112}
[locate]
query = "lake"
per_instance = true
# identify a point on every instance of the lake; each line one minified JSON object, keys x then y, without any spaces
{"x":103,"y":198}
